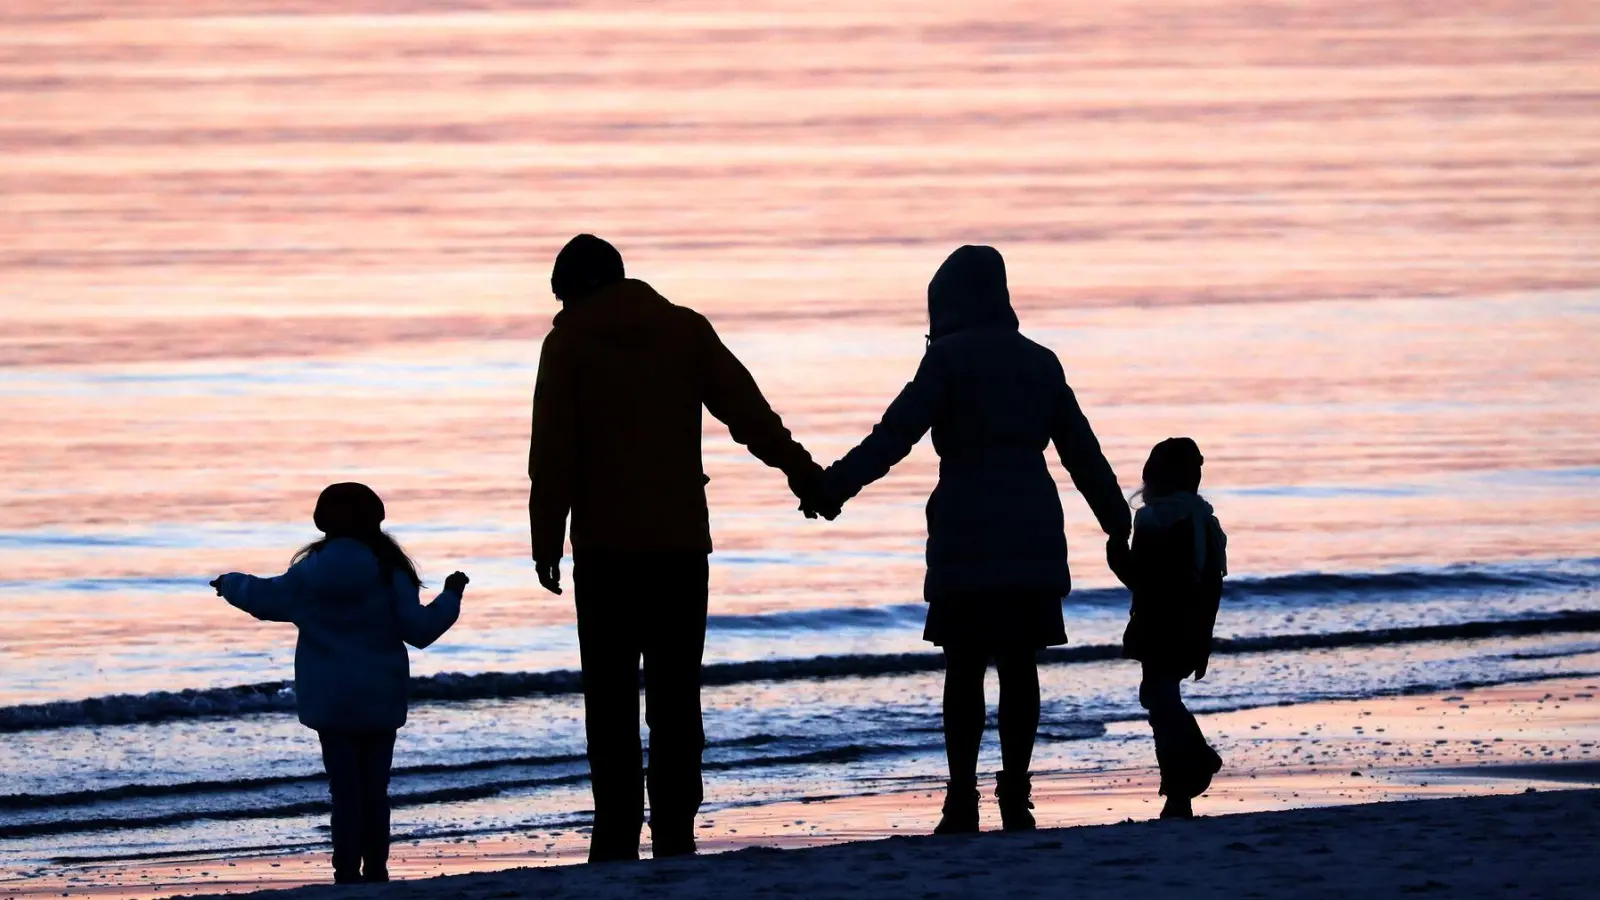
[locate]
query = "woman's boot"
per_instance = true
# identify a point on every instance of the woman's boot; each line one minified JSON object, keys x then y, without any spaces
{"x":960,"y":810}
{"x":1015,"y":793}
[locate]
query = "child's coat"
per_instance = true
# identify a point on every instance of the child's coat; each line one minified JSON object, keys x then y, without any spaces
{"x":1175,"y":571}
{"x":351,"y":669}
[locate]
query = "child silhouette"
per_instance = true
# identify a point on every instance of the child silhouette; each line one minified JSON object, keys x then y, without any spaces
{"x":353,"y":596}
{"x":1175,"y":570}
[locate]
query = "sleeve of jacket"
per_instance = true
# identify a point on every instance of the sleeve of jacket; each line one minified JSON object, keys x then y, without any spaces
{"x":422,"y":625}
{"x":268,"y":599}
{"x":903,"y":424}
{"x":1091,"y":473}
{"x":732,"y":396}
{"x":552,"y":448}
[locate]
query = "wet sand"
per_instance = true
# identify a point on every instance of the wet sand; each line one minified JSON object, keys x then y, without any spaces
{"x":1499,"y":740}
{"x":1528,"y":845}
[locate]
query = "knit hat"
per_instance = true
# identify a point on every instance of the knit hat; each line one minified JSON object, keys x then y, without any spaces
{"x":348,"y":508}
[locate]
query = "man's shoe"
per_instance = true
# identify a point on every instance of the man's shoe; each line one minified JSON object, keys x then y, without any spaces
{"x":1015,"y":793}
{"x":671,"y":848}
{"x":375,"y":876}
{"x":599,"y":853}
{"x":960,"y":811}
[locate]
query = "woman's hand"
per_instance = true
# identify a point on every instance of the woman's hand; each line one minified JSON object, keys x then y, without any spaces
{"x":457,"y":582}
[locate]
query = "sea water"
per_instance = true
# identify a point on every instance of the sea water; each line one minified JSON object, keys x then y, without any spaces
{"x":248,"y":249}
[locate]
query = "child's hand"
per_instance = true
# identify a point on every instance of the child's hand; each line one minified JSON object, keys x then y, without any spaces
{"x":457,"y":582}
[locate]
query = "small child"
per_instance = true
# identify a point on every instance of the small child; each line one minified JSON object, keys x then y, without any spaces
{"x":1175,"y":570}
{"x":353,"y":595}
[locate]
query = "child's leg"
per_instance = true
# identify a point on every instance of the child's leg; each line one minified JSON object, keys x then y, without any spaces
{"x":964,"y":712}
{"x":1019,"y":708}
{"x":341,"y":759}
{"x":1158,"y":693}
{"x":377,"y":756}
{"x":1186,"y":762}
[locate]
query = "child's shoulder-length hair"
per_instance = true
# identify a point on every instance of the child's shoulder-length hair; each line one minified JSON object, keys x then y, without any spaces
{"x":391,"y":556}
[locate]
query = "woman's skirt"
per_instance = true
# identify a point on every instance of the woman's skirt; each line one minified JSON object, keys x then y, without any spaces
{"x":996,"y":620}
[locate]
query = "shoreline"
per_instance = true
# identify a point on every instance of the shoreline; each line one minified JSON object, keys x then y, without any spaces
{"x":1495,"y":740}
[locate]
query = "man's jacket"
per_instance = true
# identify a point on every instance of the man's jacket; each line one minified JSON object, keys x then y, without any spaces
{"x":616,"y":425}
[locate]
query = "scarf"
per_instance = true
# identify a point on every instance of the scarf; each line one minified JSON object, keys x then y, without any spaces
{"x":1164,"y":512}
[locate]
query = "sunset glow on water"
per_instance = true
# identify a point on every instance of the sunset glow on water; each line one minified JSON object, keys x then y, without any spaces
{"x":251,"y":248}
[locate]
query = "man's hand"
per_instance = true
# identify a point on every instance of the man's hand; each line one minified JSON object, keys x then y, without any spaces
{"x":457,"y":582}
{"x":1200,"y":670}
{"x":549,"y":575}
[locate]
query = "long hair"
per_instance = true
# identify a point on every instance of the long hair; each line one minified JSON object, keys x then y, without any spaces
{"x":391,"y":556}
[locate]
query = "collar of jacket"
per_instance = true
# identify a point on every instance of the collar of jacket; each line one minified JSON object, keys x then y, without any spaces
{"x":626,"y":303}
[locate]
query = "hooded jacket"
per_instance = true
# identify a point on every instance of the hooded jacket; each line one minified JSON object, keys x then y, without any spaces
{"x":1175,"y":570}
{"x":994,"y":401}
{"x":351,"y":669}
{"x":623,"y":377}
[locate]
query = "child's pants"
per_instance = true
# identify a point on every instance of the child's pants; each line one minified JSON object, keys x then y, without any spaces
{"x":358,"y":778}
{"x":1187,"y":761}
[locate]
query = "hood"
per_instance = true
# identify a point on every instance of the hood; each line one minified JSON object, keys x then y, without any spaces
{"x":969,"y":291}
{"x":624,"y":305}
{"x":1162,"y":513}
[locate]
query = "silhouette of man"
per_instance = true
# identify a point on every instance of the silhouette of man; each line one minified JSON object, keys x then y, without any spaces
{"x":616,"y":442}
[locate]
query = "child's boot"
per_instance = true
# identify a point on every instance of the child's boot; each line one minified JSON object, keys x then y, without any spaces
{"x":1209,"y":764}
{"x":1015,"y":793}
{"x":1178,"y":807}
{"x":960,"y":810}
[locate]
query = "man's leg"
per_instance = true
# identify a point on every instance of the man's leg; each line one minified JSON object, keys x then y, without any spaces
{"x":608,"y":647}
{"x":674,"y":646}
{"x":341,"y":761}
{"x":377,"y":756}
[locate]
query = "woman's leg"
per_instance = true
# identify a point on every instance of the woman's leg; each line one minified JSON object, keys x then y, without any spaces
{"x":964,"y":712}
{"x":964,"y":716}
{"x":1019,"y":724}
{"x":1019,"y":708}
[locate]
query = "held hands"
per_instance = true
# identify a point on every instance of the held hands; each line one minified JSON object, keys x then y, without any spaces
{"x":810,"y":488}
{"x":216,"y":584}
{"x":457,"y":582}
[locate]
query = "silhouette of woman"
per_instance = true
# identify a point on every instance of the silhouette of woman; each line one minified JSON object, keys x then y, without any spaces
{"x":997,"y":552}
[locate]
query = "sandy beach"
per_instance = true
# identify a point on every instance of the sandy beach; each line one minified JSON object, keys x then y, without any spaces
{"x":1529,"y":845}
{"x":1493,"y":743}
